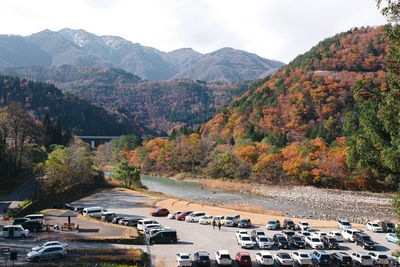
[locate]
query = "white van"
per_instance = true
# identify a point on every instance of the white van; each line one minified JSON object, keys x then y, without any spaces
{"x":15,"y":231}
{"x":93,"y":212}
{"x":348,"y":234}
{"x":142,"y":223}
{"x":232,"y":220}
{"x":38,"y":217}
{"x":194,"y":216}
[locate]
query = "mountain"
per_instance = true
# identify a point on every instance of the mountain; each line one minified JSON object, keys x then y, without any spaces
{"x":160,"y":105}
{"x":82,"y":117}
{"x":81,"y":48}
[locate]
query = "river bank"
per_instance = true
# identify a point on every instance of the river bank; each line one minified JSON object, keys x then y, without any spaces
{"x":291,"y":201}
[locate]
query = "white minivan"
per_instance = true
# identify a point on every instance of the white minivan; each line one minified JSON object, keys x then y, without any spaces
{"x":194,"y":216}
{"x":93,"y":212}
{"x":141,"y":224}
{"x":15,"y":231}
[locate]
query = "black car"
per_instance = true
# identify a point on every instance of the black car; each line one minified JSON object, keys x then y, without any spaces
{"x":202,"y":258}
{"x":132,"y":221}
{"x":244,"y":223}
{"x":107,"y":216}
{"x":330,"y":242}
{"x":20,"y":220}
{"x":388,"y":227}
{"x":164,"y":236}
{"x":289,"y":224}
{"x":280,"y":241}
{"x":63,"y":206}
{"x":32,"y":225}
{"x":116,"y":220}
{"x":341,"y":259}
{"x":296,"y":241}
{"x":364,"y":240}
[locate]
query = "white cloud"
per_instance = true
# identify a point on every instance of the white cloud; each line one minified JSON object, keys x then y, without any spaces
{"x":277,"y":29}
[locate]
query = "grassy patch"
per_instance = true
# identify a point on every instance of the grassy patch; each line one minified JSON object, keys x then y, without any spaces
{"x":15,"y":211}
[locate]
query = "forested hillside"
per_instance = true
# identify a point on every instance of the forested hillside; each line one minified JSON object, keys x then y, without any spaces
{"x":160,"y":105}
{"x":291,"y":127}
{"x":82,"y":117}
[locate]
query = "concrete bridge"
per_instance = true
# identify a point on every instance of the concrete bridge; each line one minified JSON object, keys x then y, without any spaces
{"x":91,"y":139}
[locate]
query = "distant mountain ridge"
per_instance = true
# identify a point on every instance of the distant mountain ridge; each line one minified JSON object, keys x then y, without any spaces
{"x":81,"y":48}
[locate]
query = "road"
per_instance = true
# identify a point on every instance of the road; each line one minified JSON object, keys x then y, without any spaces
{"x":193,"y":236}
{"x":24,"y":191}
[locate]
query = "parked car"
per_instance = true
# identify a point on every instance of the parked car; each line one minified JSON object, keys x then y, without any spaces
{"x":374,"y":227}
{"x":194,"y":216}
{"x":243,"y":259}
{"x":304,"y":226}
{"x":244,"y":223}
{"x":63,"y":206}
{"x":341,"y":259}
{"x":47,"y":253}
{"x":264,"y":258}
{"x":19,"y":221}
{"x":232,"y":220}
{"x":337,"y":235}
{"x":94,"y":212}
{"x":15,"y":231}
{"x":255,"y":233}
{"x":172,"y":215}
{"x":181,"y":216}
{"x":379,"y":258}
{"x":330,"y":242}
{"x":50,"y":244}
{"x":32,"y":225}
{"x":116,"y":220}
{"x":183,"y":259}
{"x":283,"y":258}
{"x":159,"y":212}
{"x":148,"y":227}
{"x":362,"y":259}
{"x":314,"y":242}
{"x":264,"y":242}
{"x":205,"y":219}
{"x":79,"y":209}
{"x":348,"y":234}
{"x":304,"y":234}
{"x":217,"y":219}
{"x":141,"y":224}
{"x":202,"y":258}
{"x":364,"y":240}
{"x":289,"y":224}
{"x":319,"y":234}
{"x":164,"y":236}
{"x":244,"y":240}
{"x":344,"y":224}
{"x":387,"y":227}
{"x":273,"y":225}
{"x":107,"y":216}
{"x":222,"y":257}
{"x":39,"y":217}
{"x":280,"y":241}
{"x":391,"y":237}
{"x":301,"y":258}
{"x":296,"y":241}
{"x":321,"y":257}
{"x":288,"y":233}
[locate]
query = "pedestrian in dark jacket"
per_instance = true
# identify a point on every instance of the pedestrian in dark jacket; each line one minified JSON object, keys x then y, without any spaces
{"x":213,"y":223}
{"x":219,"y":225}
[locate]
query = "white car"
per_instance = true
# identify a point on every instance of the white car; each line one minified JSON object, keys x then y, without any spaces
{"x":194,"y":216}
{"x":46,"y":253}
{"x":348,"y":234}
{"x":319,"y":234}
{"x":283,"y":258}
{"x":264,"y":258}
{"x":264,"y":242}
{"x":304,"y":234}
{"x":304,"y":226}
{"x":379,"y":258}
{"x":15,"y":231}
{"x":205,"y":219}
{"x":149,"y":227}
{"x":374,"y":227}
{"x":362,"y":259}
{"x":183,"y":259}
{"x":301,"y":258}
{"x":244,"y":241}
{"x":222,"y":257}
{"x":173,"y":214}
{"x":314,"y":242}
{"x":50,"y":244}
{"x":337,"y":235}
{"x":344,"y":224}
{"x":141,"y":224}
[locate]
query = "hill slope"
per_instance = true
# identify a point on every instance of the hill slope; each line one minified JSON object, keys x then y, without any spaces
{"x":81,"y":48}
{"x":82,"y":117}
{"x":161,"y":105}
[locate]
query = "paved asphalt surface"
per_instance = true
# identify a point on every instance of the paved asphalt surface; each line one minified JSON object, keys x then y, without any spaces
{"x":24,"y":191}
{"x":192,"y":236}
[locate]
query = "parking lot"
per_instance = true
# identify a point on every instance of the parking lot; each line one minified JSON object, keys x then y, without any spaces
{"x":192,"y":236}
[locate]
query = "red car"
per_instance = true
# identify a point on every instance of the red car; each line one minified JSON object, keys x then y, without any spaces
{"x":159,"y":212}
{"x":181,"y":216}
{"x":243,"y":259}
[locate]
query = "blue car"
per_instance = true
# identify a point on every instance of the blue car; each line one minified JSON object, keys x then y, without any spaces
{"x":320,"y":257}
{"x":391,"y":237}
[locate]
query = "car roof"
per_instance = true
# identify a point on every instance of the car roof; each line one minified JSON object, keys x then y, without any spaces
{"x":223,"y":251}
{"x":183,"y":254}
{"x":203,"y":253}
{"x":265,"y":253}
{"x":322,"y":252}
{"x":362,"y":253}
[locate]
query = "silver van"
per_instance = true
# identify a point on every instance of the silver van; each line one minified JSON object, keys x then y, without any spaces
{"x":95,"y":212}
{"x":232,"y":220}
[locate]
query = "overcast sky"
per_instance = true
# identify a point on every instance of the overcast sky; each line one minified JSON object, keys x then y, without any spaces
{"x":275,"y":29}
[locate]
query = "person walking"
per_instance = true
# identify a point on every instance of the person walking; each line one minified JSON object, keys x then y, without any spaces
{"x":219,"y":225}
{"x":213,"y":223}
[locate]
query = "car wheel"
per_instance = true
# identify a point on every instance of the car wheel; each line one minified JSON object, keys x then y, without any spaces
{"x":59,"y":256}
{"x":36,"y":259}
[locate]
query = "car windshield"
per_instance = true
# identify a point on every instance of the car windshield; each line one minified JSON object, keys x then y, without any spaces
{"x":267,"y":257}
{"x":325,"y":257}
{"x":264,"y":239}
{"x":204,"y":258}
{"x":366,"y":238}
{"x":229,"y":218}
{"x":245,"y":238}
{"x":184,"y":257}
{"x":289,"y":222}
{"x":224,"y":256}
{"x":245,"y":258}
{"x":285,"y":256}
{"x":271,"y":222}
{"x":390,"y":225}
{"x":338,"y":234}
{"x":281,"y":238}
{"x":304,"y":223}
{"x":332,"y":240}
{"x":297,"y":238}
{"x":304,"y":255}
{"x":315,"y":240}
{"x":244,"y":221}
{"x":366,"y":257}
{"x":306,"y":233}
{"x":375,"y":225}
{"x":383,"y":257}
{"x":345,"y":223}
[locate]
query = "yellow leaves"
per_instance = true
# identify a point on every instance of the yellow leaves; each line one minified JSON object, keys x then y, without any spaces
{"x":248,"y":153}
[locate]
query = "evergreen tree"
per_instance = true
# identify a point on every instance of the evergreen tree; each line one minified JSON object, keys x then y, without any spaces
{"x":57,"y":132}
{"x":232,"y":141}
{"x":173,"y":135}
